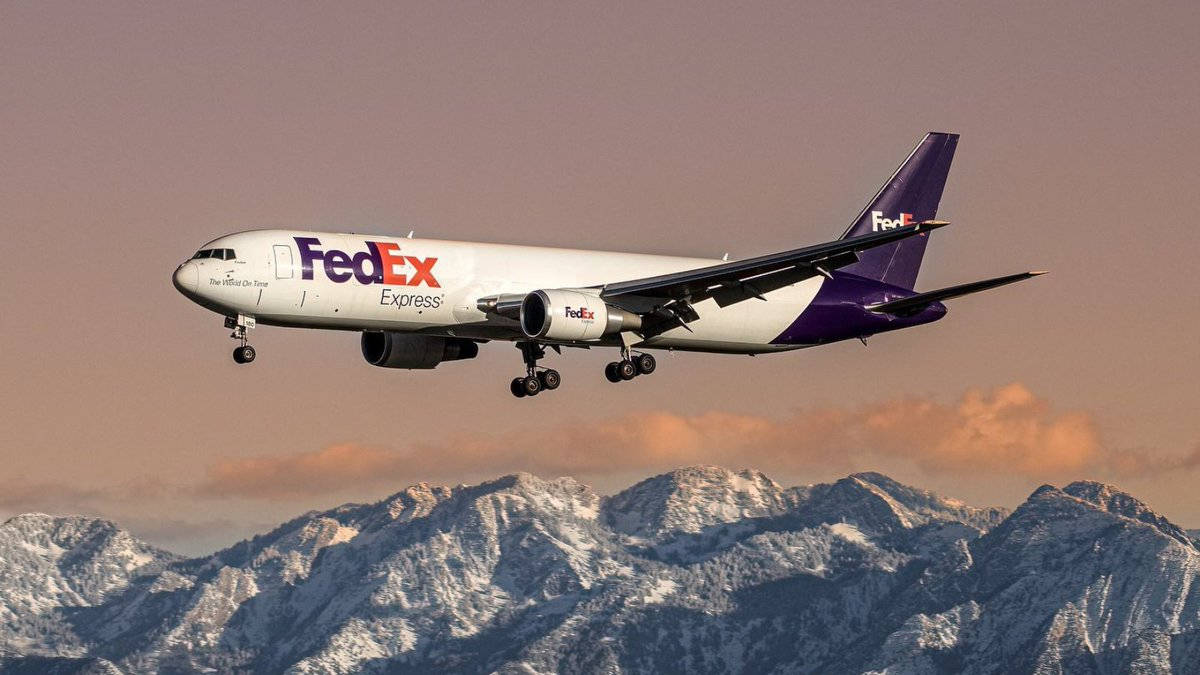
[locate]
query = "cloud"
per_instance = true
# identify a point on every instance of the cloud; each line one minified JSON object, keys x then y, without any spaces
{"x":302,"y":473}
{"x":138,"y":505}
{"x":643,"y":440}
{"x":989,"y":434}
{"x":1007,"y":430}
{"x":18,"y":494}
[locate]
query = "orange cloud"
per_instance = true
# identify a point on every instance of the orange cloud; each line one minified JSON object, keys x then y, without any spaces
{"x":303,"y":473}
{"x":1007,"y":430}
{"x":639,"y":441}
{"x":18,"y":494}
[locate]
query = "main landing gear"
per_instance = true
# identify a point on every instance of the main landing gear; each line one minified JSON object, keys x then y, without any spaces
{"x":630,"y":367}
{"x":538,"y":380}
{"x":243,"y":353}
{"x":535,"y":381}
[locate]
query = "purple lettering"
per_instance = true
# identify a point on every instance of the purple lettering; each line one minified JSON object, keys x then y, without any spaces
{"x":376,"y":265}
{"x":337,"y":266}
{"x":360,"y":260}
{"x":308,"y":255}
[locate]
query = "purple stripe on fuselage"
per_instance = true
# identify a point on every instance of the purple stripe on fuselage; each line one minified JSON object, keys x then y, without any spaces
{"x":838,"y":312}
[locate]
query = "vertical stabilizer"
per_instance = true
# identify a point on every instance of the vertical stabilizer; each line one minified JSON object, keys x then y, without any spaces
{"x":909,"y":196}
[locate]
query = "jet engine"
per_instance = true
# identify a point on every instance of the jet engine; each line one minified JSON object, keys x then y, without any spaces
{"x":388,"y":349}
{"x":570,"y":315}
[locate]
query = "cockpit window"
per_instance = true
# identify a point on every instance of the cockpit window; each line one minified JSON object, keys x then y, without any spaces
{"x":218,"y":253}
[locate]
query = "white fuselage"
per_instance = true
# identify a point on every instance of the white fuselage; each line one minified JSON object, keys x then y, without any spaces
{"x":432,"y":286}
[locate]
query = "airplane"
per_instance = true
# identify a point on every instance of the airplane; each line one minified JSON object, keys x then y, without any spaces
{"x":421,"y":302}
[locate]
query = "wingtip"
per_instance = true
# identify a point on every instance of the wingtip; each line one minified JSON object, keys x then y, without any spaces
{"x":931,"y":224}
{"x":1039,"y":273}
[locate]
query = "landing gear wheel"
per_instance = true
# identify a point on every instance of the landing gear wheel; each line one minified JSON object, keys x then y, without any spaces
{"x":517,"y":388}
{"x":550,"y":379}
{"x":244,"y":354}
{"x":645,"y":364}
{"x":626,"y":370}
{"x":610,"y":372}
{"x":531,"y":385}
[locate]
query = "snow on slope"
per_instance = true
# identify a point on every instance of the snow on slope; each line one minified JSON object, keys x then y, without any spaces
{"x":699,"y":570}
{"x":49,"y":565}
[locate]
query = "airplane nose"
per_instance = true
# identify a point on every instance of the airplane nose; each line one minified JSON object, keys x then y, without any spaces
{"x":187,"y":278}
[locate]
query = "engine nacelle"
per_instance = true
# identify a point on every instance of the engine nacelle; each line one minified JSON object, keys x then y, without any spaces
{"x":388,"y":349}
{"x":559,"y":314}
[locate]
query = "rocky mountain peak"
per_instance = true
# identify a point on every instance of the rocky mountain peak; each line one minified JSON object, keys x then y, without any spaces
{"x":42,"y":540}
{"x":1113,"y":500}
{"x":1087,"y":499}
{"x":690,"y":499}
{"x":1095,"y":526}
{"x":915,"y":499}
{"x":881,"y":504}
{"x":62,"y":530}
{"x":416,"y":501}
{"x":48,"y":563}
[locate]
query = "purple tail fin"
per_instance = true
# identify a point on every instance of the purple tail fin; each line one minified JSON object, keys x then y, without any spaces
{"x":909,"y":196}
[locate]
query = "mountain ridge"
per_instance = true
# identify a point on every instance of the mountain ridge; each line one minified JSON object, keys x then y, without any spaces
{"x":702,"y":568}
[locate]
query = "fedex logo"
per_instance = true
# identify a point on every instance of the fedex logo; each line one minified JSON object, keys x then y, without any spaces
{"x":379,"y":264}
{"x":878,"y":222}
{"x":581,"y":313}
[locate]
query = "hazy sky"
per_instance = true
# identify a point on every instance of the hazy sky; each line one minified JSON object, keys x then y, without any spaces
{"x":132,"y":133}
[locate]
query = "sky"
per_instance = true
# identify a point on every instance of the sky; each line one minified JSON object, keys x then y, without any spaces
{"x":134,"y":132}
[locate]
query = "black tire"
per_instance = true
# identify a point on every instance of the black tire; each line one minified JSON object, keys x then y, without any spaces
{"x":244,"y":354}
{"x":645,"y":364}
{"x":516,"y":388}
{"x":626,"y":370}
{"x":531,"y":385}
{"x":610,"y":372}
{"x":550,"y":379}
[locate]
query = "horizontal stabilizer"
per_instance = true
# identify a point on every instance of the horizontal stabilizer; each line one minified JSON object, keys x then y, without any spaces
{"x":918,"y":302}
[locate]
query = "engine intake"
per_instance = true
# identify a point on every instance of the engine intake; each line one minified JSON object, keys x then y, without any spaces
{"x":389,"y":349}
{"x":559,"y":314}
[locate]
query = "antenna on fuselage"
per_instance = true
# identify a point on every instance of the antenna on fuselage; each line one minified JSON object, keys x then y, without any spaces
{"x":410,"y":234}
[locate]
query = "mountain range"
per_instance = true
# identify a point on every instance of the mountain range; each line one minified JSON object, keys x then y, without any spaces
{"x":700,"y":570}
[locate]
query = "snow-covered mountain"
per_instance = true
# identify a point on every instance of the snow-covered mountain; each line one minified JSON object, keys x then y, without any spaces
{"x":698,"y":570}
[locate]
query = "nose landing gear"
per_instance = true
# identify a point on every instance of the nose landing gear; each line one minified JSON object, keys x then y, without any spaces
{"x":243,"y":353}
{"x":535,"y":381}
{"x":630,"y":367}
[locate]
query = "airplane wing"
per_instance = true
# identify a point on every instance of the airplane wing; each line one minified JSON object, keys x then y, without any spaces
{"x":918,"y":302}
{"x":727,"y":283}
